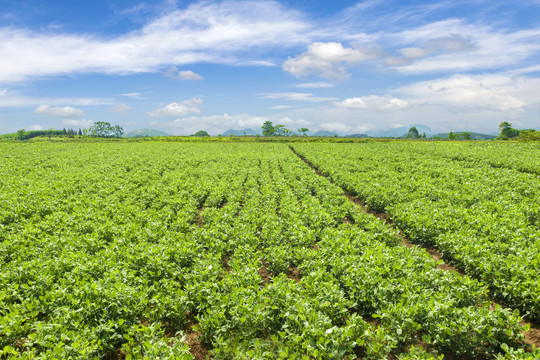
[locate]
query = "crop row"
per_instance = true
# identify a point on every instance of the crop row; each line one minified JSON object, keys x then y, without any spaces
{"x":121,"y":248}
{"x":521,"y":157}
{"x":485,"y":219}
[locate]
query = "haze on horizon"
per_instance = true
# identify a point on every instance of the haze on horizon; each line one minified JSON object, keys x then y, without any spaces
{"x":352,"y":67}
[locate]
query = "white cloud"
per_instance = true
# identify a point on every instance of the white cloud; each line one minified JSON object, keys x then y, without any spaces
{"x":178,"y":109}
{"x":373,"y":102}
{"x":257,"y":63}
{"x":133,"y":95}
{"x":468,"y":47}
{"x":36,"y":127}
{"x":314,"y":85}
{"x":327,"y":60}
{"x":13,"y":100}
{"x":336,"y":126}
{"x":223,"y":32}
{"x":215,"y":124}
{"x":77,"y":123}
{"x":293,"y":96}
{"x":494,"y":92}
{"x":120,"y":109}
{"x":281,"y":107}
{"x":174,"y":73}
{"x":61,"y":112}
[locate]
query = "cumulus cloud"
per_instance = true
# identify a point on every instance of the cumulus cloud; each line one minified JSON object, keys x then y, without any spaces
{"x":293,"y":96}
{"x":215,"y":124}
{"x":77,"y":123}
{"x":328,"y":59}
{"x":201,"y":32}
{"x":495,"y":92}
{"x":36,"y":127}
{"x":61,"y":112}
{"x":178,"y":109}
{"x":174,"y":73}
{"x":373,"y":102}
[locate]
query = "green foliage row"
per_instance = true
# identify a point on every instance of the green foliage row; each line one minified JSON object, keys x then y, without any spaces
{"x":483,"y":218}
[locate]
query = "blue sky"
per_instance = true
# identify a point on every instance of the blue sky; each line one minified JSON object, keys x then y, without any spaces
{"x":346,"y":66}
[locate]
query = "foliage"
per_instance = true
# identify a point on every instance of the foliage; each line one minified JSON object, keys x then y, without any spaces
{"x":529,"y":135}
{"x":471,"y":202}
{"x":506,"y":131}
{"x":201,"y":133}
{"x":105,"y":130}
{"x":413,"y":133}
{"x":268,"y":129}
{"x":124,"y":247}
{"x":21,"y":134}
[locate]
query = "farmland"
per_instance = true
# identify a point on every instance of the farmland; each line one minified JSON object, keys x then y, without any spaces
{"x":254,"y":250}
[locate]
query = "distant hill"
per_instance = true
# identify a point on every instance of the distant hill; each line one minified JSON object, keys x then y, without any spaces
{"x":474,"y":135}
{"x":357,"y":135}
{"x":145,"y":133}
{"x":243,"y":132}
{"x":401,"y":131}
{"x":325,"y":133}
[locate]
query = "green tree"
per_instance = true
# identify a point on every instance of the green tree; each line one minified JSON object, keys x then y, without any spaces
{"x":118,"y":131}
{"x":413,"y":133}
{"x":21,"y":134}
{"x":529,"y":135}
{"x":279,"y":130}
{"x":506,"y":131}
{"x":466,"y":136}
{"x":268,"y":129}
{"x":303,"y":131}
{"x":452,"y":136}
{"x":105,"y":130}
{"x":201,"y":133}
{"x":50,"y":133}
{"x":80,"y":132}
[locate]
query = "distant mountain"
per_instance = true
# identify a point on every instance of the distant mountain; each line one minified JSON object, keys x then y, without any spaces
{"x":145,"y":133}
{"x":325,"y":133}
{"x":357,"y":135}
{"x":401,"y":131}
{"x":474,"y":135}
{"x":243,"y":132}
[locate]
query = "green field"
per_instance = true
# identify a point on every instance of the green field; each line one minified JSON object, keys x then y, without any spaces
{"x":169,"y":250}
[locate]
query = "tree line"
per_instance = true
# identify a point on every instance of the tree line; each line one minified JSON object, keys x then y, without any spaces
{"x":269,"y":129}
{"x":100,"y":129}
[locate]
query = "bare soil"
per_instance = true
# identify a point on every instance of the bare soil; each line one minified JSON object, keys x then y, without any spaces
{"x":199,"y":219}
{"x":199,"y":350}
{"x":265,"y":274}
{"x":294,"y":274}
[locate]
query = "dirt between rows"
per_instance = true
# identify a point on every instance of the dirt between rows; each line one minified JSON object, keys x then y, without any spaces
{"x":532,"y":337}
